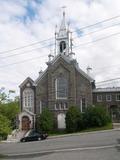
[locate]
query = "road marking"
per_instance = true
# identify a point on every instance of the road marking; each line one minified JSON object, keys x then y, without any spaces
{"x":62,"y":150}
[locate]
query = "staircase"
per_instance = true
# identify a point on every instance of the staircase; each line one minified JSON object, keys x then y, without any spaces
{"x":16,"y":135}
{"x":116,"y":125}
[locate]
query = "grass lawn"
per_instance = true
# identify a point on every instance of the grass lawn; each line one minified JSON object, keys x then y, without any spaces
{"x":2,"y":156}
{"x":107,"y":127}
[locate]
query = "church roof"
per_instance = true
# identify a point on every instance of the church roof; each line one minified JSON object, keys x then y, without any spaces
{"x":41,"y":76}
{"x":69,"y":61}
{"x":28,"y":79}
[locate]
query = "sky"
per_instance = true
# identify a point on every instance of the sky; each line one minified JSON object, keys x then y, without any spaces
{"x":27,"y":30}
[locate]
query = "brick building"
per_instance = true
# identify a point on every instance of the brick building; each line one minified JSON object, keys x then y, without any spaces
{"x":110,"y":98}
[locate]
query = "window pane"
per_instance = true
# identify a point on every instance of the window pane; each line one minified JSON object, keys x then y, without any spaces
{"x":118,"y":97}
{"x":61,"y":88}
{"x":83,"y":104}
{"x":99,"y":98}
{"x":28,"y":100}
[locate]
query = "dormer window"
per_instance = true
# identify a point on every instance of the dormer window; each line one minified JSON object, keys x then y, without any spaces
{"x":62,"y":46}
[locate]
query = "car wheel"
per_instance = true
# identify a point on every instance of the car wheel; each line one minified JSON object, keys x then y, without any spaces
{"x":39,"y":139}
{"x":23,"y":140}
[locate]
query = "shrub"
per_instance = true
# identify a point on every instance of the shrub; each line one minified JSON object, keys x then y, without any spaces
{"x":73,"y":120}
{"x":96,"y":116}
{"x":45,"y":121}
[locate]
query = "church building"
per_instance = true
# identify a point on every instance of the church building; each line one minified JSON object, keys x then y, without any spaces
{"x":61,"y":85}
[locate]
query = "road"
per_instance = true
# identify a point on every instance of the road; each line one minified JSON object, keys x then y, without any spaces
{"x":91,"y":146}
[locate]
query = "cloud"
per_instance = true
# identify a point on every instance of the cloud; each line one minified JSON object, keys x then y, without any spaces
{"x":25,"y":22}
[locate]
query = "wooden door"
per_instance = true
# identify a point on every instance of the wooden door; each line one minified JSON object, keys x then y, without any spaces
{"x":25,"y":123}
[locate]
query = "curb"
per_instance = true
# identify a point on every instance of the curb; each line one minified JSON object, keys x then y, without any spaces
{"x":83,"y":133}
{"x":71,"y":134}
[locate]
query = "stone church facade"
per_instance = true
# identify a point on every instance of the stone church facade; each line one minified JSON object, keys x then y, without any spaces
{"x":61,"y":85}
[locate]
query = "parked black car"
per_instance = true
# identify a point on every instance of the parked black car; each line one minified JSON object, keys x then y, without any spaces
{"x":34,"y":136}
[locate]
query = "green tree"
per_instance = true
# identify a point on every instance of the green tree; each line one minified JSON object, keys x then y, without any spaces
{"x":96,"y":116}
{"x":45,"y":121}
{"x":5,"y":127}
{"x":10,"y":111}
{"x":73,"y":119}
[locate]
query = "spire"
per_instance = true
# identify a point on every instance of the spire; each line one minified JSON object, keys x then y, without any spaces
{"x":62,"y":31}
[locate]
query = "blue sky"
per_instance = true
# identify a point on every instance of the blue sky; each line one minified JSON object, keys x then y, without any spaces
{"x":25,"y":22}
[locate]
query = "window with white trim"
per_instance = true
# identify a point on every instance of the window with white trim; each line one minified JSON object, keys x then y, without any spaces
{"x":28,"y":99}
{"x":118,"y":97}
{"x":61,"y":106}
{"x":65,"y":106}
{"x":108,"y":97}
{"x":61,"y":88}
{"x":99,"y":98}
{"x":83,"y":104}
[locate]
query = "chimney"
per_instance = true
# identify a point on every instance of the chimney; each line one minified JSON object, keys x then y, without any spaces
{"x":89,"y":69}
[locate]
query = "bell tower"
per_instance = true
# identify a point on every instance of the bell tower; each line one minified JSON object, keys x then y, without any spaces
{"x":62,"y":38}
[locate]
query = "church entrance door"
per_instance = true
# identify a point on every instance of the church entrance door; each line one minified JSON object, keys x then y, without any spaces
{"x":25,"y":123}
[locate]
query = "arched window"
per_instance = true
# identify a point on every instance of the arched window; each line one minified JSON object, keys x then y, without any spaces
{"x":28,"y":99}
{"x":61,"y":87}
{"x":62,"y":46}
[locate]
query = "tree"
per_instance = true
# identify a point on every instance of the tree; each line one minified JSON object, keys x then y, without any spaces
{"x":3,"y":95}
{"x":96,"y":116}
{"x":45,"y":121}
{"x":10,"y":111}
{"x":5,"y":127}
{"x":73,"y":119}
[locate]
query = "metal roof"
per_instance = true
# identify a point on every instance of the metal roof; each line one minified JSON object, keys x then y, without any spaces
{"x":108,"y":89}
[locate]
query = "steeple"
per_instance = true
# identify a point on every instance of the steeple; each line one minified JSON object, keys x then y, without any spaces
{"x":62,"y":38}
{"x":62,"y":31}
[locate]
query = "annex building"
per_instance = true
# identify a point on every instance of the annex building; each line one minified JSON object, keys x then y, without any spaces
{"x":61,"y":85}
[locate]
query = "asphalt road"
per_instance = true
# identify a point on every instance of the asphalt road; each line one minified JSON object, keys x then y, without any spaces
{"x":92,"y":146}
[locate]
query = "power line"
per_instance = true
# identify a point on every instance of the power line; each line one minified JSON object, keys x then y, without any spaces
{"x":18,"y":48}
{"x":26,"y":60}
{"x":107,"y":27}
{"x":74,"y":47}
{"x":103,"y":21}
{"x":32,"y":44}
{"x":53,"y":44}
{"x":84,"y":44}
{"x":108,"y":80}
{"x":16,"y":54}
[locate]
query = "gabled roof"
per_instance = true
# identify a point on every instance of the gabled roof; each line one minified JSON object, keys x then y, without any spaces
{"x":84,"y":74}
{"x":68,"y":60}
{"x":31,"y":113}
{"x":28,"y":79}
{"x":25,"y":111}
{"x":40,"y":76}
